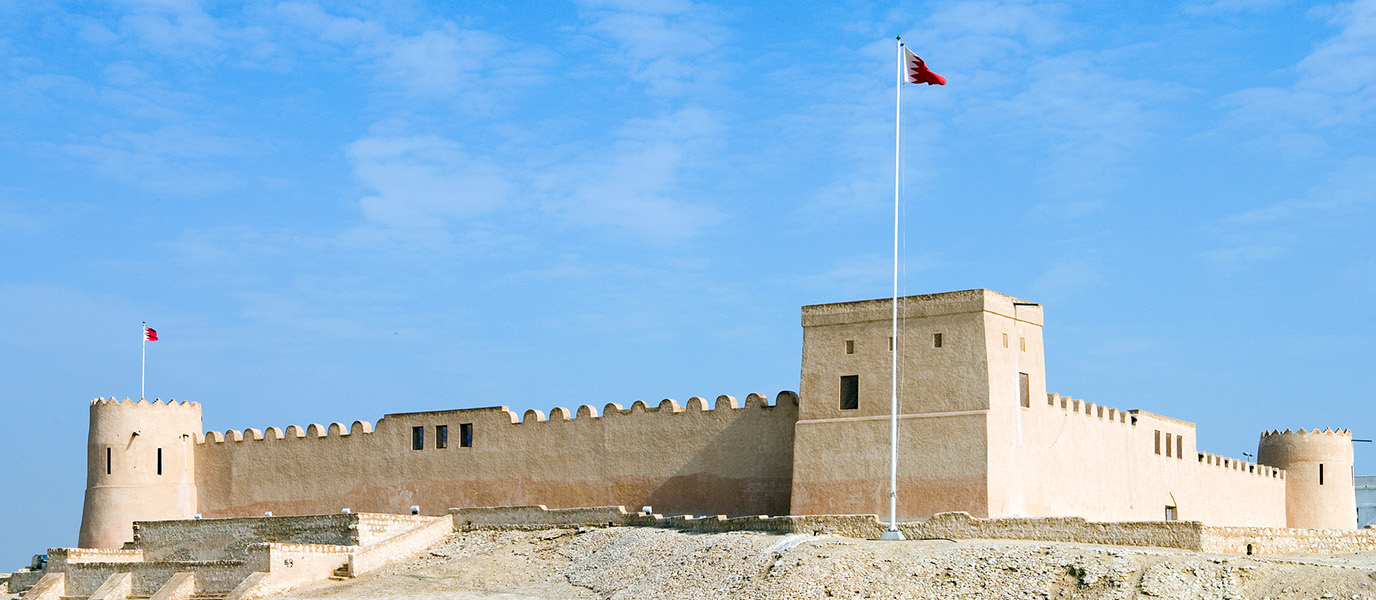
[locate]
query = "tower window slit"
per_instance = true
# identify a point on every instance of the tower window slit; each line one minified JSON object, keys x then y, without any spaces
{"x":160,"y":461}
{"x":107,"y":461}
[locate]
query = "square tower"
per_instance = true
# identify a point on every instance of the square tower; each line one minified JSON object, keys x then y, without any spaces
{"x":969,"y":362}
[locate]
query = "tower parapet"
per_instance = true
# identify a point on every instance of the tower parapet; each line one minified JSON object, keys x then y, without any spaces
{"x":1319,"y":491}
{"x":140,"y":466}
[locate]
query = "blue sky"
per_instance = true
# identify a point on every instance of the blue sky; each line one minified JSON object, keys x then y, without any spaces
{"x":334,"y":211}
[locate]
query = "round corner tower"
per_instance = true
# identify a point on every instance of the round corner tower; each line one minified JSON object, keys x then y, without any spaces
{"x":140,"y":466}
{"x":1319,"y":492}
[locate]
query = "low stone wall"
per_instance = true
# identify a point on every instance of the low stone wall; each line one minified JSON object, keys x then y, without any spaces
{"x":1271,"y":540}
{"x":229,"y":538}
{"x":959,"y":525}
{"x":411,"y":542}
{"x":211,"y":576}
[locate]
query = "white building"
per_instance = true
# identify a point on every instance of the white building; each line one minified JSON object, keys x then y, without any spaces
{"x":1366,"y":500}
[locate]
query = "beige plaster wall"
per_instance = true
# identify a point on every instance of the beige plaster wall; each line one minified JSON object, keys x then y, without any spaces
{"x":696,"y":458}
{"x":841,"y":460}
{"x":1310,"y":502}
{"x":132,"y":433}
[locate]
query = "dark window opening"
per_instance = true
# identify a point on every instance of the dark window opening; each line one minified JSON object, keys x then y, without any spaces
{"x":1022,"y":344}
{"x":1179,"y":446}
{"x":1168,"y":445}
{"x":890,"y":343}
{"x":1320,"y":473}
{"x":850,"y":392}
{"x":160,"y":461}
{"x":936,"y":340}
{"x":1158,"y":441}
{"x":441,"y":436}
{"x":107,"y":461}
{"x":1024,"y":390}
{"x":466,"y":435}
{"x":1170,"y":513}
{"x":850,"y":346}
{"x":418,"y":438}
{"x":1249,"y":549}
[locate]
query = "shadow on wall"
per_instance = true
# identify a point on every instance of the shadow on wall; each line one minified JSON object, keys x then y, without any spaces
{"x":757,"y":442}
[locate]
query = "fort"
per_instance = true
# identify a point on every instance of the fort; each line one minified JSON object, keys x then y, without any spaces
{"x":978,"y":434}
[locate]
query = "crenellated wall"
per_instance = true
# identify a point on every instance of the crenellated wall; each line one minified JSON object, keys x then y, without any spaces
{"x":702,"y":457}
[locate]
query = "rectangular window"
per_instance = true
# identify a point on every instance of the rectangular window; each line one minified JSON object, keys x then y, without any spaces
{"x":1320,"y":473}
{"x":850,"y":392}
{"x":936,"y":340}
{"x":890,"y":343}
{"x":1170,"y":513}
{"x":1024,"y":390}
{"x":1168,"y":445}
{"x":441,"y":436}
{"x":418,"y":438}
{"x":1158,"y":441}
{"x":1022,"y":344}
{"x":1005,"y":340}
{"x":107,"y":461}
{"x":1179,"y":446}
{"x":466,"y":435}
{"x":160,"y":461}
{"x":850,"y":346}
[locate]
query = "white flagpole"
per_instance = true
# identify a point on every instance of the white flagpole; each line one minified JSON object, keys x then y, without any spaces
{"x":893,"y":533}
{"x":143,"y":370}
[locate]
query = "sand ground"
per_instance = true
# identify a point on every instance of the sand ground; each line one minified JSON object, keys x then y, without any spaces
{"x":643,"y":564}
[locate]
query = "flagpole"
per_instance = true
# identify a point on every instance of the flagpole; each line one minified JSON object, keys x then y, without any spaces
{"x":143,"y":369}
{"x":893,"y":533}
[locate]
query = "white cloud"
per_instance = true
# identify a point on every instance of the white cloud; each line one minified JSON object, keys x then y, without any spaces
{"x":668,"y":46}
{"x":425,"y":181}
{"x":1335,"y":86}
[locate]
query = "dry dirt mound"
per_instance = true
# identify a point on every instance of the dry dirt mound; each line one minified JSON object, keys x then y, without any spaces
{"x":640,"y":564}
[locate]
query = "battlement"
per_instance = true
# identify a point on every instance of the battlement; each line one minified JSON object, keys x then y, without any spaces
{"x":1265,"y":435}
{"x":1090,"y":409}
{"x":924,"y":305}
{"x":142,"y":404}
{"x":314,"y":430}
{"x":1240,"y":466}
{"x":695,"y":404}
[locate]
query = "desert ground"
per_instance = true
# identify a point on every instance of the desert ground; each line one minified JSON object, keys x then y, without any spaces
{"x":642,"y":564}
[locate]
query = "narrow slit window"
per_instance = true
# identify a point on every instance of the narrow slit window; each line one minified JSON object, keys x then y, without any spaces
{"x":466,"y":435}
{"x":1179,"y":446}
{"x":418,"y":438}
{"x":107,"y":461}
{"x":890,"y":343}
{"x":160,"y":461}
{"x":936,"y":340}
{"x":1005,"y":340}
{"x":850,"y":346}
{"x":441,"y":436}
{"x":1168,"y":445}
{"x":1024,"y":390}
{"x":1022,"y":344}
{"x":1158,"y":441}
{"x":850,"y":392}
{"x":1320,"y":473}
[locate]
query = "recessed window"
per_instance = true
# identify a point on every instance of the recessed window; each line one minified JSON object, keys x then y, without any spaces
{"x":1179,"y":446}
{"x":1158,"y":441}
{"x":890,"y":343}
{"x":1005,"y":340}
{"x":418,"y":438}
{"x":850,"y":392}
{"x":850,"y":346}
{"x":1022,"y":344}
{"x":107,"y":461}
{"x":936,"y":340}
{"x":160,"y":461}
{"x":1024,"y":390}
{"x":1320,"y":473}
{"x":441,"y":436}
{"x":466,"y":435}
{"x":1170,"y":513}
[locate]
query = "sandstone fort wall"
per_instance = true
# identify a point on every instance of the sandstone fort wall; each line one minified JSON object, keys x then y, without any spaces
{"x":679,"y":459}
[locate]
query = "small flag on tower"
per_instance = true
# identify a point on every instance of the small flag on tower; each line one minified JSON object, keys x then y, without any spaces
{"x":150,"y":334}
{"x":915,"y":71}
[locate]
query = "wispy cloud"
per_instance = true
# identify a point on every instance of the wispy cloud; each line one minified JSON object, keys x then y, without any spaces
{"x":669,"y":46}
{"x":1334,"y":86}
{"x":174,"y":159}
{"x":1343,"y":199}
{"x":424,"y":181}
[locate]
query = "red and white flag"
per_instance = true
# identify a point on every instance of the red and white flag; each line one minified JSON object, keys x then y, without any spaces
{"x":150,"y":334}
{"x":915,"y":71}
